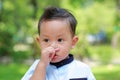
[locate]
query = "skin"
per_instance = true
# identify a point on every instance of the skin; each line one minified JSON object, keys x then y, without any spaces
{"x":55,"y":42}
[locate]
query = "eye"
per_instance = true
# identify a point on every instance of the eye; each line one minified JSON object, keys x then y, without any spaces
{"x":46,"y":40}
{"x":60,"y":40}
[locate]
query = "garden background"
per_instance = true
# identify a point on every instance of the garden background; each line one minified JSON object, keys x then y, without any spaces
{"x":98,"y":29}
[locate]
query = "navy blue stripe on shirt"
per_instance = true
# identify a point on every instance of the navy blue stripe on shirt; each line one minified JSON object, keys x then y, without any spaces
{"x":64,"y":62}
{"x":79,"y":79}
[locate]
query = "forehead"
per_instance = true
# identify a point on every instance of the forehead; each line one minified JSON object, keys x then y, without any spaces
{"x":54,"y":26}
{"x":55,"y":21}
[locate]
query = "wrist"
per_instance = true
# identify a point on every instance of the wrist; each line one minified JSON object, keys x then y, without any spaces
{"x":42,"y":64}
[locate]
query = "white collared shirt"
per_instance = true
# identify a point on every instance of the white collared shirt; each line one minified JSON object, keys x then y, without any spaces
{"x":75,"y":70}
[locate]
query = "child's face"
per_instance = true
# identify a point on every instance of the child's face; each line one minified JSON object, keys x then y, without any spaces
{"x":56,"y":34}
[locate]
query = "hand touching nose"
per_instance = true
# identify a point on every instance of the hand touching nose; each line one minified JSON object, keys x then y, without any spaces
{"x":48,"y":54}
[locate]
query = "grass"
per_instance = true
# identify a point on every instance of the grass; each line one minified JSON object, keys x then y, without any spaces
{"x":109,"y":72}
{"x":15,"y":71}
{"x":12,"y":71}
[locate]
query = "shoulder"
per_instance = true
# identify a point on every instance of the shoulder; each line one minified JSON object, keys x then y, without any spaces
{"x":83,"y":69}
{"x":80,"y":69}
{"x":80,"y":65}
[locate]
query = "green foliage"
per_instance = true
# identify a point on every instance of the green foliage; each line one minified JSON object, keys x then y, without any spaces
{"x":19,"y":18}
{"x":20,"y":56}
{"x":15,"y":20}
{"x":102,"y":53}
{"x":105,"y":54}
{"x":5,"y":42}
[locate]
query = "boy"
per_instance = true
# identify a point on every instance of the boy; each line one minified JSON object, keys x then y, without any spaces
{"x":56,"y":29}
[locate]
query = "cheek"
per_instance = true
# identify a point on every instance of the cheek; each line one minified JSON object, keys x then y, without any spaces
{"x":43,"y":45}
{"x":65,"y":48}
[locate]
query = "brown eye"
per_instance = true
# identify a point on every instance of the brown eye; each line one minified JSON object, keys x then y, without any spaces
{"x":46,"y":40}
{"x":60,"y":40}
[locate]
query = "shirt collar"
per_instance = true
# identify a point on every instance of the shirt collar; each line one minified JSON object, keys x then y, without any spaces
{"x":64,"y":62}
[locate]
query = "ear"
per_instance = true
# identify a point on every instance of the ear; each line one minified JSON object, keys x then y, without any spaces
{"x":37,"y":42}
{"x":75,"y":40}
{"x":37,"y":39}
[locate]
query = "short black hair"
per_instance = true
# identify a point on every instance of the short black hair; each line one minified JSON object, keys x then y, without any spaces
{"x":54,"y":13}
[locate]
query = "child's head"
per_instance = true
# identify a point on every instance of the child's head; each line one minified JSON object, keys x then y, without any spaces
{"x":57,"y":32}
{"x":58,"y":14}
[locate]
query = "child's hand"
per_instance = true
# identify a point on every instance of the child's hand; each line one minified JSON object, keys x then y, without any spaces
{"x":47,"y":54}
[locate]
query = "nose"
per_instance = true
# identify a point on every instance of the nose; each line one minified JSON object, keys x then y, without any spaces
{"x":54,"y":45}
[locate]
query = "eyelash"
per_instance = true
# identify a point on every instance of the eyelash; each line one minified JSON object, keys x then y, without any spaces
{"x":59,"y":40}
{"x":46,"y":40}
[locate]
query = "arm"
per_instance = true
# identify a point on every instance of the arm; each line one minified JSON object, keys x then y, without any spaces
{"x":40,"y":72}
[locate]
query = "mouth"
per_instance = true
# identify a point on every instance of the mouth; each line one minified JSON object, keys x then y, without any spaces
{"x":55,"y":56}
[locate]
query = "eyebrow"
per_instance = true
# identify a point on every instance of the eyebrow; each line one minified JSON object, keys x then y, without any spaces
{"x":60,"y":34}
{"x":43,"y":35}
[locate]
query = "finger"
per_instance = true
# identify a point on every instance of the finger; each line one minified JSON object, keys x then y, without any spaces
{"x":52,"y":55}
{"x":57,"y":49}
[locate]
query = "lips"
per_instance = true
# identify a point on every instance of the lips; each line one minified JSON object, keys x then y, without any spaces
{"x":54,"y":57}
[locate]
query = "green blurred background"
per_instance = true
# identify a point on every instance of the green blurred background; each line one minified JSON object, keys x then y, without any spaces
{"x":98,"y":30}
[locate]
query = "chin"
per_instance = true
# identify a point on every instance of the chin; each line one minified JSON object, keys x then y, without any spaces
{"x":55,"y":61}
